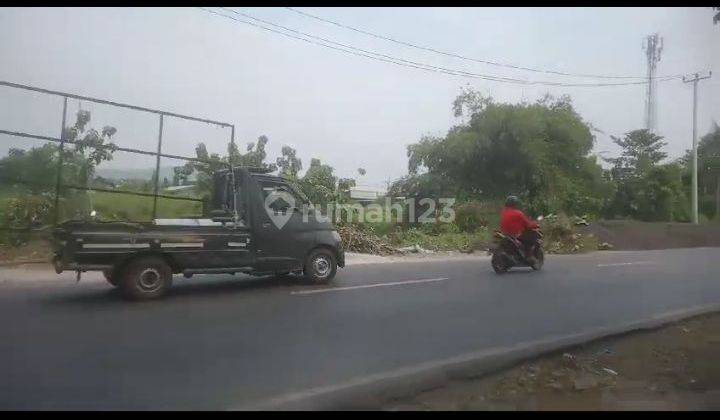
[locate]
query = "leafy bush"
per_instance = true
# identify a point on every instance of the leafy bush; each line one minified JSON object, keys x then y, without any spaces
{"x":707,"y":207}
{"x":470,"y":216}
{"x":20,"y":213}
{"x":29,"y":211}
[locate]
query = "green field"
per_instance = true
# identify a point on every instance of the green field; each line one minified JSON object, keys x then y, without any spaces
{"x":111,"y":206}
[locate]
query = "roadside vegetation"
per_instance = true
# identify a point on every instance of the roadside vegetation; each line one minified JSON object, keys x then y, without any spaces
{"x":540,"y":151}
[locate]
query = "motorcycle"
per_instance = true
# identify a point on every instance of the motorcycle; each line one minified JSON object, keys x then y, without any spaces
{"x":509,"y":252}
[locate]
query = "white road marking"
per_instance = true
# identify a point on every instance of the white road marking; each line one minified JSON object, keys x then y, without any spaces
{"x":366,"y":286}
{"x":625,"y":263}
{"x":181,"y":245}
{"x":102,"y":246}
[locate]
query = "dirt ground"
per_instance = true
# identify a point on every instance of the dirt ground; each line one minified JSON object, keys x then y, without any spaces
{"x":676,"y":367}
{"x":36,"y":250}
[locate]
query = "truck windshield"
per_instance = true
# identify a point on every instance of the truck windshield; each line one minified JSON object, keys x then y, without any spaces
{"x":282,"y":196}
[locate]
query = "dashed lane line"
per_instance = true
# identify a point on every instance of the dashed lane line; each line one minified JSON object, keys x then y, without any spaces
{"x":367,"y":286}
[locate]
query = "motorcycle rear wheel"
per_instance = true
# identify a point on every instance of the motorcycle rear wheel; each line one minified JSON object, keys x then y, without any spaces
{"x":498,"y":264}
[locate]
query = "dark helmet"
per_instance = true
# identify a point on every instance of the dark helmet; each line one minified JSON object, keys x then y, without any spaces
{"x":512,"y":201}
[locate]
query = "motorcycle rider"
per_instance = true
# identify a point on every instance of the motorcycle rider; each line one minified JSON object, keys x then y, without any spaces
{"x":513,"y":222}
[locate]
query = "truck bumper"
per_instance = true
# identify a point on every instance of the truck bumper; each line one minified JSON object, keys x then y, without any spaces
{"x":61,"y":266}
{"x":341,"y":257}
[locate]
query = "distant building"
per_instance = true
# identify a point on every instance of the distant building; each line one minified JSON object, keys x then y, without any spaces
{"x":365,"y":194}
{"x":179,"y":187}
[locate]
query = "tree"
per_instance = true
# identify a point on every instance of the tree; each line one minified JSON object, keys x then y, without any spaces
{"x":646,"y":190}
{"x":92,"y":146}
{"x":289,"y":164}
{"x":35,"y":169}
{"x":716,"y":18}
{"x":469,"y":103}
{"x":539,"y":151}
{"x":642,"y":150}
{"x":708,"y":172}
{"x":361,"y":171}
{"x":181,"y":174}
{"x":254,"y":156}
{"x":209,"y":163}
{"x":418,"y":186}
{"x":343,"y":189}
{"x":318,"y":183}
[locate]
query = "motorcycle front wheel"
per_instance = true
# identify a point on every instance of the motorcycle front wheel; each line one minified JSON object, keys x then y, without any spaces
{"x":540,"y":256}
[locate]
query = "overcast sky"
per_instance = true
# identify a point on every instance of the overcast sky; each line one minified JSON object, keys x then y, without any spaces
{"x":349,"y":111}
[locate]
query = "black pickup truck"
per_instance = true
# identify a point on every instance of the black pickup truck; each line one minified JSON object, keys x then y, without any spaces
{"x":257,"y":227}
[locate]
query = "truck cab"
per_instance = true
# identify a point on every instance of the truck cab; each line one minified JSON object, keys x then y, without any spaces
{"x":259,"y":225}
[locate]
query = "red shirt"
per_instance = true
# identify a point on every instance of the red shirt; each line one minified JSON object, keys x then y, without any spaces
{"x":514,"y":222}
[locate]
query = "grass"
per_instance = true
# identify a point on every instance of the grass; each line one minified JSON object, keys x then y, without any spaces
{"x":441,"y":241}
{"x":137,"y":208}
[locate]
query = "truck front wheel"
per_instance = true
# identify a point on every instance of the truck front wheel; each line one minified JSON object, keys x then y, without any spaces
{"x":320,"y":266}
{"x":146,"y":278}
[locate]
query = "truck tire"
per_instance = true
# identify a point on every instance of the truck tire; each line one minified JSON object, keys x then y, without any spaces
{"x":111,"y":276}
{"x":146,"y":278}
{"x":320,"y":266}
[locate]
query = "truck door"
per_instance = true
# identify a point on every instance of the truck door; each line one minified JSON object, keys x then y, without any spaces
{"x":208,"y":244}
{"x":283,"y":237}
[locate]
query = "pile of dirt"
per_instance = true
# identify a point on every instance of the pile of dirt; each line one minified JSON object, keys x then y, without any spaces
{"x":634,"y":235}
{"x":562,"y":236}
{"x":355,"y":240}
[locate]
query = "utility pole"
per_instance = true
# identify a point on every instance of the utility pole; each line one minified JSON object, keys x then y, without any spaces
{"x":695,"y":79}
{"x":653,"y":46}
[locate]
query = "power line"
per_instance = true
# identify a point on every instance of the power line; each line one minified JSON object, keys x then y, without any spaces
{"x":412,"y":63}
{"x":454,"y":55}
{"x":434,"y":68}
{"x":318,"y":43}
{"x":402,"y":62}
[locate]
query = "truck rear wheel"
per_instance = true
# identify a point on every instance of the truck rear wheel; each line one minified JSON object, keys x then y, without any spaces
{"x":146,"y":278}
{"x":320,"y":266}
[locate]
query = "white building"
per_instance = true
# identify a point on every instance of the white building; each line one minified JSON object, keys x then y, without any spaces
{"x":366,"y":194}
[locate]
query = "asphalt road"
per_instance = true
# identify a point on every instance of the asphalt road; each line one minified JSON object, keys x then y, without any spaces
{"x":219,"y":342}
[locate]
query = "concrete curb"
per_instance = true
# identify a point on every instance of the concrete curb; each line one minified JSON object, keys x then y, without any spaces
{"x":372,"y":391}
